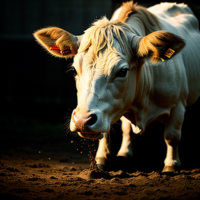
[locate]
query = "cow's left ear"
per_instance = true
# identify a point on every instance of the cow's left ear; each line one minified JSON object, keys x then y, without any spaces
{"x":159,"y":46}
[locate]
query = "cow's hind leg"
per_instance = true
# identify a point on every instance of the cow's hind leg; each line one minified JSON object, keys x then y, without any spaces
{"x":172,"y":137}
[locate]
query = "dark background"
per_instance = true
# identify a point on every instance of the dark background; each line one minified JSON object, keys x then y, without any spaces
{"x":36,"y":92}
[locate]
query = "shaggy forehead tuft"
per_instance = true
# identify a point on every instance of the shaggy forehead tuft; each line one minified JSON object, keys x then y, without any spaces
{"x":98,"y":46}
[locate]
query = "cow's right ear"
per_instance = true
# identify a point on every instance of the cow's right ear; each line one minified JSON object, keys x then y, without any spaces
{"x":58,"y":42}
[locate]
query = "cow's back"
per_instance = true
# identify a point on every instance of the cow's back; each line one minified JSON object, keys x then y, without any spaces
{"x":180,"y":20}
{"x":170,"y":9}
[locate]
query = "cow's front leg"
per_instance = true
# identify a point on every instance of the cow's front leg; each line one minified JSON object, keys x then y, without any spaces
{"x":172,"y":137}
{"x":124,"y":157}
{"x":103,"y":153}
{"x":126,"y":149}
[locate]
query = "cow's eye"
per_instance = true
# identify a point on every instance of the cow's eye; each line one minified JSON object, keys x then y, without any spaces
{"x":75,"y":72}
{"x":122,"y":73}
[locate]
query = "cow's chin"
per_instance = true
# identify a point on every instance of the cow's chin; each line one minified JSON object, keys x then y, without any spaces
{"x":92,"y":136}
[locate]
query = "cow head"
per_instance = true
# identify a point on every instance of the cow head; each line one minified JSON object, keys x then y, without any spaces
{"x":108,"y":62}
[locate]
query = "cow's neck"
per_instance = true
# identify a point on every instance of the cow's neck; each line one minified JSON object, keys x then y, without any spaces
{"x":144,"y":86}
{"x":143,"y":22}
{"x":144,"y":109}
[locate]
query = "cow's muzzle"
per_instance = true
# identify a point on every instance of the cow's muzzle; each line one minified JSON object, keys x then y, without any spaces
{"x":83,"y":124}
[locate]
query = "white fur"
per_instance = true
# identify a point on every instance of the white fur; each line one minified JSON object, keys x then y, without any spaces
{"x":165,"y":89}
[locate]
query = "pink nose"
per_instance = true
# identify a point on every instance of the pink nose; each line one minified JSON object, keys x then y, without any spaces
{"x":84,"y":123}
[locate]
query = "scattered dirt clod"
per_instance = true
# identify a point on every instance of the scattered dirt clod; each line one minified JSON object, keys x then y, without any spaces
{"x":94,"y":174}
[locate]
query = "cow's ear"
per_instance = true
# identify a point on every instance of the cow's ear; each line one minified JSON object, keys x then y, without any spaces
{"x":159,"y":46}
{"x":57,"y":41}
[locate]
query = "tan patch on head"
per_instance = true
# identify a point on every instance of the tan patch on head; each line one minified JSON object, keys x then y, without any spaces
{"x":126,"y":9}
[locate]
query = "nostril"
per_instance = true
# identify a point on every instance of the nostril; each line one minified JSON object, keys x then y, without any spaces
{"x":91,"y":119}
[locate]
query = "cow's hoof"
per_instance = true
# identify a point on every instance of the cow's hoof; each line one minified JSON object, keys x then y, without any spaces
{"x":102,"y":163}
{"x":170,"y":170}
{"x":102,"y":167}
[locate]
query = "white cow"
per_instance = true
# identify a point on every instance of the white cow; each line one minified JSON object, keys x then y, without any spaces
{"x":134,"y":67}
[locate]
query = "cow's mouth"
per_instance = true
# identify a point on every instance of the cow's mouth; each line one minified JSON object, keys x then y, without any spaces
{"x":92,"y":136}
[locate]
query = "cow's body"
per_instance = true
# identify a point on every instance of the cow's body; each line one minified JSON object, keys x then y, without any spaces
{"x":159,"y":89}
{"x":175,"y":83}
{"x":176,"y":80}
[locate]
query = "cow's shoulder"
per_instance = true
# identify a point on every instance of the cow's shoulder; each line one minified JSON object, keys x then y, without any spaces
{"x":176,"y":18}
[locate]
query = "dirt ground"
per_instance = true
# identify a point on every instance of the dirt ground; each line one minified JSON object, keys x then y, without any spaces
{"x":45,"y":164}
{"x":31,"y":179}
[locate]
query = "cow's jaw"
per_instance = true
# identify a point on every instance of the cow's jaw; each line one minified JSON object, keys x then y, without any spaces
{"x":92,"y":136}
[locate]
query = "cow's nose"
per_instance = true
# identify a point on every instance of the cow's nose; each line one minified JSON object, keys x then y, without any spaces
{"x":91,"y":120}
{"x":83,"y":123}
